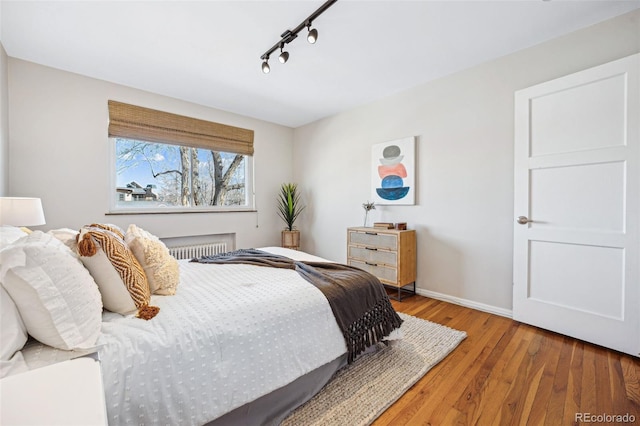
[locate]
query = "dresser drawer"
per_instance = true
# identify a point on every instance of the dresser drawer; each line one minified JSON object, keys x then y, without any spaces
{"x":373,"y":255}
{"x":374,"y":240}
{"x":385,"y":274}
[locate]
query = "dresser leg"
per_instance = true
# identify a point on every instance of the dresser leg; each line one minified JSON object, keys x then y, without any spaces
{"x":402,"y":289}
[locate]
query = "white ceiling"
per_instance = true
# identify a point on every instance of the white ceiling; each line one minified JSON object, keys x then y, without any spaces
{"x":208,"y":52}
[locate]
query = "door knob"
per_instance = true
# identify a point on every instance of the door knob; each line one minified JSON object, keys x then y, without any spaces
{"x":523,"y":220}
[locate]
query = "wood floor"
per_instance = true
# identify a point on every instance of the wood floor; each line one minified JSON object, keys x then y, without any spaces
{"x":509,"y":373}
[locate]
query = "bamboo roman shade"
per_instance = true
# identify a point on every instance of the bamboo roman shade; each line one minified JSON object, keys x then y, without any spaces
{"x":134,"y":122}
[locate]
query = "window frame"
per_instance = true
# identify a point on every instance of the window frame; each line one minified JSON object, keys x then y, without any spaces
{"x":115,"y":209}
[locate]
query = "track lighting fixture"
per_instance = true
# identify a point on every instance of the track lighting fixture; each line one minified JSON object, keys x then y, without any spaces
{"x":289,"y":35}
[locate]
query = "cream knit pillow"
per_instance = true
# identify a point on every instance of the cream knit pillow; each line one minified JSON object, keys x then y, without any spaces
{"x":161,"y":269}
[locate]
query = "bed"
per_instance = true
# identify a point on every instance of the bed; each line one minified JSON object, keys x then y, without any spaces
{"x":234,"y":343}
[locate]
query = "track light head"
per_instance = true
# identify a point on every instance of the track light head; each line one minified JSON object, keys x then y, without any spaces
{"x":265,"y":66}
{"x":284,"y":56}
{"x":312,"y":37}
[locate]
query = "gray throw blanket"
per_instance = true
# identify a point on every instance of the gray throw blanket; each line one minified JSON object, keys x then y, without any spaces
{"x":357,"y":298}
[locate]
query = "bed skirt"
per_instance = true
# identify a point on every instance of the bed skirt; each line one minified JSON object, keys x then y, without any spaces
{"x":272,"y":408}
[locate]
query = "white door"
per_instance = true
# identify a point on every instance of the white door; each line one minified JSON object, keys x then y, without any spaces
{"x":577,"y":189}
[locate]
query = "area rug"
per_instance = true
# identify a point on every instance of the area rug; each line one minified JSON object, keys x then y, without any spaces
{"x":360,"y":392}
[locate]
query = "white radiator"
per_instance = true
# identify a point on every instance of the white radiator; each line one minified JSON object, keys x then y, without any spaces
{"x":197,"y":250}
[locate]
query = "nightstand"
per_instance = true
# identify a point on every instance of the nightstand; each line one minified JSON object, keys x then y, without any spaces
{"x":389,"y":254}
{"x":66,"y":393}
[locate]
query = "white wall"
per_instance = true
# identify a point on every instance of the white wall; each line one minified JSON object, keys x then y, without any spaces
{"x":4,"y":123}
{"x":59,"y":152}
{"x":464,"y":157}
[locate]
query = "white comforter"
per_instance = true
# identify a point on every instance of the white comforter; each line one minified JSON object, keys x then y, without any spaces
{"x":231,"y":334}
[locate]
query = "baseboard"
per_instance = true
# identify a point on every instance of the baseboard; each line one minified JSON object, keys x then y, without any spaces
{"x":466,"y":303}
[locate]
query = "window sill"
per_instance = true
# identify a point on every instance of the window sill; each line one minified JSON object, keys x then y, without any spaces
{"x":178,"y":211}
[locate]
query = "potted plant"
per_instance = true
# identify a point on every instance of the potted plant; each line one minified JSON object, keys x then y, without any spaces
{"x":289,"y":207}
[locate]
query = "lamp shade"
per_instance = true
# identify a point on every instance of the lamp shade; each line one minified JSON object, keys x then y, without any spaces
{"x":21,"y":211}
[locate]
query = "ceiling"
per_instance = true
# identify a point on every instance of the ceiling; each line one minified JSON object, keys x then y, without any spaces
{"x":208,"y":52}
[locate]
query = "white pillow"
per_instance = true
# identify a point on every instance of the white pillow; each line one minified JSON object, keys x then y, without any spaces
{"x":58,"y":299}
{"x":162,"y":269}
{"x":14,"y":332}
{"x":68,"y":236}
{"x":15,"y":365}
{"x":9,"y":234}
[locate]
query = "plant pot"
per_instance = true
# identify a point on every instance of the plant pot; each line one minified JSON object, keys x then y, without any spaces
{"x":291,"y":239}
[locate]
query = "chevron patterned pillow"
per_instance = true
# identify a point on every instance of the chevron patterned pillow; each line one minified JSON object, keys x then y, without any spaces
{"x":120,"y":278}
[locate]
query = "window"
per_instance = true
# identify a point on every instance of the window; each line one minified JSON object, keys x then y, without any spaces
{"x":153,"y":175}
{"x":166,"y":162}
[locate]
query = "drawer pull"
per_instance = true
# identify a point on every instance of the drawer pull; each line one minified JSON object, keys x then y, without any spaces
{"x":371,"y":248}
{"x":371,"y":233}
{"x":371,"y":264}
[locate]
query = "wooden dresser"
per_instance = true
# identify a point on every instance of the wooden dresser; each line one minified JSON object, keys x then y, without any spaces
{"x":389,"y":254}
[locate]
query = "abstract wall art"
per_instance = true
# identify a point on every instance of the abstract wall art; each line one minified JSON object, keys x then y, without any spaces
{"x":393,"y":172}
